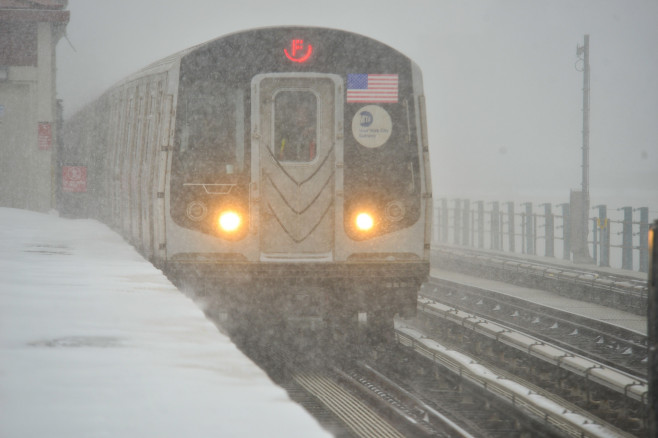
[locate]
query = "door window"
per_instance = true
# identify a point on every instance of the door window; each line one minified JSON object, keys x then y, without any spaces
{"x":295,"y":126}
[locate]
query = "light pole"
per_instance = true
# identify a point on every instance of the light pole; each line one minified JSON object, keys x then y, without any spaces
{"x":581,"y":221}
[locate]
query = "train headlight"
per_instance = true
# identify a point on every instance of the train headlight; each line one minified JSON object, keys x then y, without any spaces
{"x":364,"y":221}
{"x":229,"y":221}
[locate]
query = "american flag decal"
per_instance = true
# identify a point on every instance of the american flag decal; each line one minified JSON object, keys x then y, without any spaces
{"x":372,"y":88}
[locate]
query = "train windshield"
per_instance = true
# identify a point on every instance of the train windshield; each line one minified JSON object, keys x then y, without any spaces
{"x":211,"y":137}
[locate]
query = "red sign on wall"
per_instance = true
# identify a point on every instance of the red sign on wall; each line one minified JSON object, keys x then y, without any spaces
{"x":45,"y":135}
{"x":74,"y":178}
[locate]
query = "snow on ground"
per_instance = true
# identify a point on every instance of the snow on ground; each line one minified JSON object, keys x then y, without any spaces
{"x":96,"y":342}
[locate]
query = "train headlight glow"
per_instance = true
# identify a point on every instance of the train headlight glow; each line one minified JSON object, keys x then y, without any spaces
{"x":229,"y":221}
{"x":364,"y":221}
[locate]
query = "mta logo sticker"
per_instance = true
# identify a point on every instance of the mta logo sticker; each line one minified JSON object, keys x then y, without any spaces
{"x":372,"y":126}
{"x":366,"y":118}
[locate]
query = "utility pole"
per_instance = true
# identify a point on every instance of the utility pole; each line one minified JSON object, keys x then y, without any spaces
{"x":580,"y":201}
{"x":584,"y":50}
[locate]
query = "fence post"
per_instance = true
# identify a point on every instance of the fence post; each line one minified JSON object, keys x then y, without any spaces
{"x":436,"y":224}
{"x":480,"y":224}
{"x":549,"y":230}
{"x":644,"y":239}
{"x":510,"y":227}
{"x":604,"y":226}
{"x":566,"y":231}
{"x":502,"y":230}
{"x":444,"y":220}
{"x":466,"y":219}
{"x":529,"y":237}
{"x":595,"y":238}
{"x":495,"y":226}
{"x":457,"y":221}
{"x":627,"y":239}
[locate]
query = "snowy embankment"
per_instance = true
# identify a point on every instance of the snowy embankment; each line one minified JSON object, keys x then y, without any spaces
{"x":94,"y":341}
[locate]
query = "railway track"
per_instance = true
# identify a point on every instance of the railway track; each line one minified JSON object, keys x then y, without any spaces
{"x":522,"y":371}
{"x":375,"y":398}
{"x":598,"y":365}
{"x":360,"y":390}
{"x":551,"y":414}
{"x":611,"y":395}
{"x":606,"y":343}
{"x":609,"y":287}
{"x":421,"y":388}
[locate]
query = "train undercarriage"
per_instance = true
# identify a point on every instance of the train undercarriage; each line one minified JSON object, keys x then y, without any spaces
{"x":336,"y":298}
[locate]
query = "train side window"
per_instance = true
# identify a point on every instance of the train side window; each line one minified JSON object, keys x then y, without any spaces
{"x":295,"y":126}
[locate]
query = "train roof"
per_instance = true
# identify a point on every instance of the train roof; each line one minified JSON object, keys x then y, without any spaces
{"x":168,"y":62}
{"x":173,"y":61}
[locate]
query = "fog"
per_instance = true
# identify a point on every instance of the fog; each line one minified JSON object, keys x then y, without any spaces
{"x":503,"y":92}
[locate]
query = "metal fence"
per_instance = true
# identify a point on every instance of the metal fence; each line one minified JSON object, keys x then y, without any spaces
{"x":619,"y":241}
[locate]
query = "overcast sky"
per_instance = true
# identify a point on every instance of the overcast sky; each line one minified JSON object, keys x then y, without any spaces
{"x":504,"y":96}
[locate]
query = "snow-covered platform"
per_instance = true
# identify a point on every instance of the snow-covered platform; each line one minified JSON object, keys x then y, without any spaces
{"x":96,"y":342}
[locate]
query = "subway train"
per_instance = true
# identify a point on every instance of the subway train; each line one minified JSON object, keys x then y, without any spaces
{"x":274,"y":165}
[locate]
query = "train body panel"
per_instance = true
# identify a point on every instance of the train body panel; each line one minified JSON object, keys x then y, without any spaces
{"x":298,"y":155}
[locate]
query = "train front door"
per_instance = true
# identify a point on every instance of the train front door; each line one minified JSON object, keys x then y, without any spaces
{"x":295,"y":128}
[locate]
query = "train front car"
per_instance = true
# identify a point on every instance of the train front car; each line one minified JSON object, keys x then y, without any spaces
{"x":300,"y":173}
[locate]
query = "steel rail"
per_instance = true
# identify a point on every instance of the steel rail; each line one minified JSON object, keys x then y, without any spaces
{"x":541,"y":405}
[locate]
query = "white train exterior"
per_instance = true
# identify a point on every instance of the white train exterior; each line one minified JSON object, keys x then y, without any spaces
{"x":291,"y":160}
